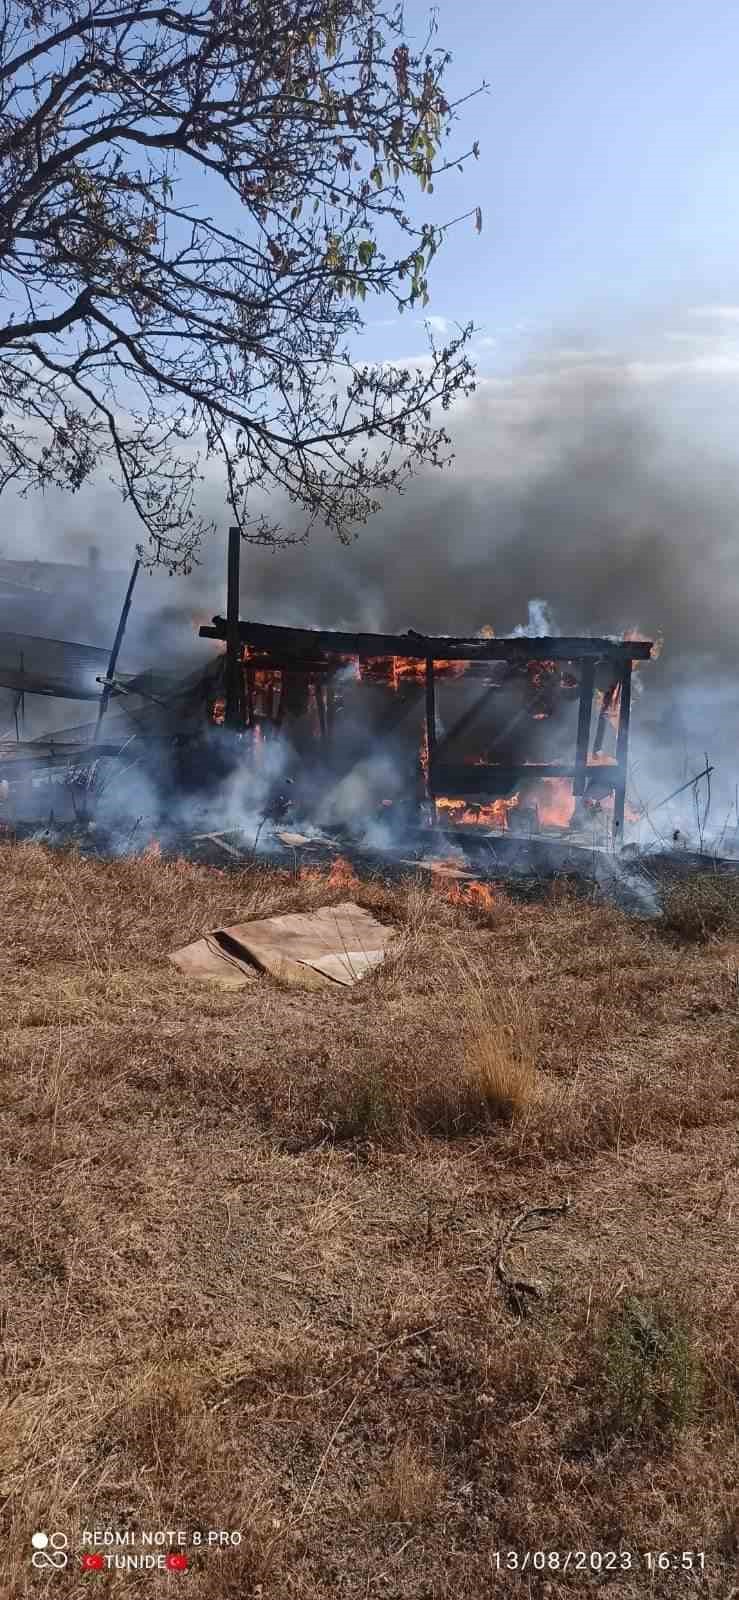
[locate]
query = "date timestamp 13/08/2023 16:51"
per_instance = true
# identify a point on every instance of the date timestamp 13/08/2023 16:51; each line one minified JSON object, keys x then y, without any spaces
{"x":599,"y":1560}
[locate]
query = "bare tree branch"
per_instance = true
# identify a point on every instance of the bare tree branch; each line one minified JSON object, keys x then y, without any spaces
{"x":138,"y":326}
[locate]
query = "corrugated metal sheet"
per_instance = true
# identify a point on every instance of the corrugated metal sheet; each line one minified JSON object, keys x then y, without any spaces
{"x":51,"y":666}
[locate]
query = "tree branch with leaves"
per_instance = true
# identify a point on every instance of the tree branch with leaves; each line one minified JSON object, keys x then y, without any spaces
{"x":195,"y":203}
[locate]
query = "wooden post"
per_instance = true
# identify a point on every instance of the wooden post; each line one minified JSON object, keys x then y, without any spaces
{"x":587,"y":678}
{"x":234,"y":712}
{"x":622,"y":754}
{"x":430,"y":731}
{"x":117,"y":642}
{"x":320,"y":706}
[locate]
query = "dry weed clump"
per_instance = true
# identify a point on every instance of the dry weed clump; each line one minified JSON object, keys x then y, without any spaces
{"x":652,"y":1372}
{"x":475,"y":1069}
{"x":409,"y":1488}
{"x":702,"y":907}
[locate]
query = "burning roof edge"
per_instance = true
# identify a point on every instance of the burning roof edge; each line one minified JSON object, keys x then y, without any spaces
{"x":307,"y":641}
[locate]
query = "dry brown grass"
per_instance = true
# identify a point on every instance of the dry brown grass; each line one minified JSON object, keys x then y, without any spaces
{"x":249,"y":1239}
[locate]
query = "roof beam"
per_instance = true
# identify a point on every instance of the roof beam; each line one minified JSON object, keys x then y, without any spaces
{"x":302,"y":641}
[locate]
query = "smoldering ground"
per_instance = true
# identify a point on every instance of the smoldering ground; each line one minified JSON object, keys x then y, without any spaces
{"x":571,"y":483}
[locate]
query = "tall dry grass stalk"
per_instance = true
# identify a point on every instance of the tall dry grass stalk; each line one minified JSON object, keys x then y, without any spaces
{"x":410,"y":1487}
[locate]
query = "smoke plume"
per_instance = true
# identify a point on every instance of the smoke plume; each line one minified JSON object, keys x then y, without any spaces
{"x":570,"y":483}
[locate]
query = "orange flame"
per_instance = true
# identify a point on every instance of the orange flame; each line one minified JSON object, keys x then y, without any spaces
{"x":555,"y":802}
{"x":494,"y":815}
{"x":477,"y":896}
{"x":342,"y":875}
{"x":393,"y":670}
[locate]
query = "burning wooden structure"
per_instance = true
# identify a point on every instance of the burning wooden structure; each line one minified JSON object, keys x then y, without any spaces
{"x":524,"y":699}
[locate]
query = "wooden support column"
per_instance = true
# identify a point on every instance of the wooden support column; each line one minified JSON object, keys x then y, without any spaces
{"x":587,"y":679}
{"x":320,"y":707}
{"x":234,"y":714}
{"x":622,"y":755}
{"x":430,"y":729}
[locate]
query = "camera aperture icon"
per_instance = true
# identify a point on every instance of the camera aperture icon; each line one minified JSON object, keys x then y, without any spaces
{"x":49,"y":1550}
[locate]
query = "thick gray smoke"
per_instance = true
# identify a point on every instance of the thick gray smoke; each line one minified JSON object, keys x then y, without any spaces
{"x":569,"y":484}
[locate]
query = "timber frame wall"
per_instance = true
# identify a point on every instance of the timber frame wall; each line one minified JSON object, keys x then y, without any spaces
{"x":311,"y":650}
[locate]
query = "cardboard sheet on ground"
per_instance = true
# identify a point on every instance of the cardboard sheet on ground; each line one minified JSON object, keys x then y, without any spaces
{"x":313,"y":949}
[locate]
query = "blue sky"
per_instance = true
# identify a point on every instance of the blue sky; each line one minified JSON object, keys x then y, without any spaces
{"x":607,"y":177}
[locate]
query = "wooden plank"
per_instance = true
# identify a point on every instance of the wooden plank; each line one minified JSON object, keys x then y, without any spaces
{"x":622,"y":755}
{"x":585,"y":710}
{"x":421,"y":646}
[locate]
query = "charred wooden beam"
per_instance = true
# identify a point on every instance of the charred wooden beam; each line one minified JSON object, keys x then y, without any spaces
{"x":622,"y":754}
{"x":585,"y":711}
{"x":234,"y":712}
{"x":285,"y":663}
{"x":430,"y":727}
{"x":249,"y":676}
{"x":421,"y":646}
{"x":115,"y":652}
